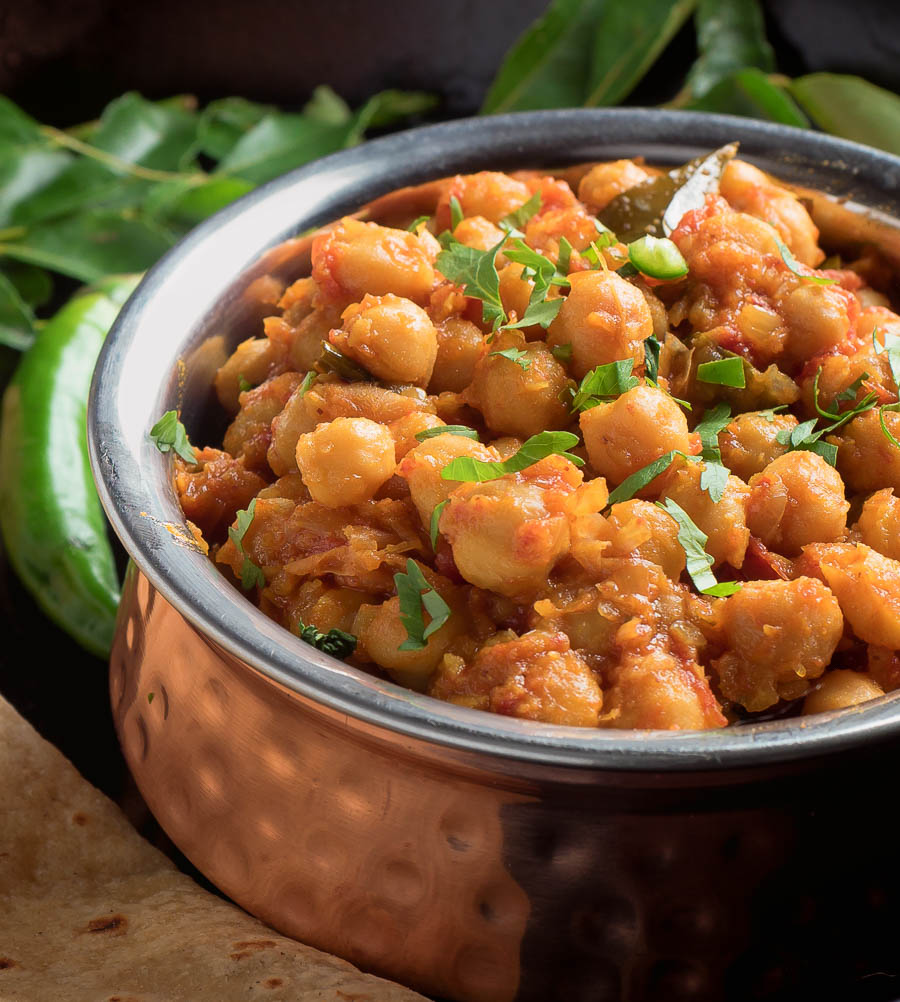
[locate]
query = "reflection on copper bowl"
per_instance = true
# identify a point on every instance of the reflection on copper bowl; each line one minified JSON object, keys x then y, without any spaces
{"x":472,"y":856}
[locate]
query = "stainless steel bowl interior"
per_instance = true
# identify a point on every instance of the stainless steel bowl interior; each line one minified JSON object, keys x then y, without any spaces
{"x":197,"y":303}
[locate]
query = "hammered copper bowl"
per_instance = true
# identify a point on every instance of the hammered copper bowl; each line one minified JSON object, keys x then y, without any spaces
{"x":471,"y":856}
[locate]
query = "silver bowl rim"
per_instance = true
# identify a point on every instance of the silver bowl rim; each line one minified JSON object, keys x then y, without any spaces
{"x":166,"y":312}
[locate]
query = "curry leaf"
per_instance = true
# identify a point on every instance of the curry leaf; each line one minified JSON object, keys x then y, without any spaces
{"x":731,"y":35}
{"x":16,"y":318}
{"x":752,"y":94}
{"x":628,"y":37}
{"x":851,"y":107}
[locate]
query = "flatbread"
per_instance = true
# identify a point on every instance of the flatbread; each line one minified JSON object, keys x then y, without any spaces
{"x":90,"y":912}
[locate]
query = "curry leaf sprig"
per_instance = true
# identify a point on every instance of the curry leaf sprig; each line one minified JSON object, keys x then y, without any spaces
{"x":532,"y":450}
{"x":337,"y":643}
{"x":251,"y":575}
{"x":416,"y":598}
{"x":169,"y":434}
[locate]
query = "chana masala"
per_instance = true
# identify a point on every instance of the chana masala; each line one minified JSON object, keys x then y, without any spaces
{"x":616,"y":448}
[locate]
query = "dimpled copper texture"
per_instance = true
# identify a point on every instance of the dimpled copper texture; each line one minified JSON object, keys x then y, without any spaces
{"x":479,"y":881}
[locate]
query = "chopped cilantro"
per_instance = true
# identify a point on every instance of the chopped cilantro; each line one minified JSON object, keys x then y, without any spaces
{"x":251,"y":575}
{"x":699,"y":562}
{"x":169,"y":433}
{"x":416,"y":597}
{"x":433,"y":529}
{"x":604,"y":383}
{"x":244,"y":384}
{"x":517,"y":355}
{"x":337,"y":643}
{"x":652,"y":348}
{"x":562,"y":353}
{"x":456,"y":212}
{"x":533,"y":450}
{"x":795,"y":266}
{"x":714,"y":477}
{"x":308,"y":380}
{"x":564,"y":257}
{"x":640,"y":478}
{"x":447,"y":429}
{"x":516,"y":219}
{"x":416,"y":223}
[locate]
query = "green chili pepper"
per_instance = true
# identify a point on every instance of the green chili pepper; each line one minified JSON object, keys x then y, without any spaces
{"x":53,"y":526}
{"x":657,"y":257}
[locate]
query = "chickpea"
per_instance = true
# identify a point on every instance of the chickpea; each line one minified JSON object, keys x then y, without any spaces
{"x":778,"y":635}
{"x":636,"y":428}
{"x":748,"y":189}
{"x":422,"y":465}
{"x":725,"y":522}
{"x":405,"y":429}
{"x":354,"y":259}
{"x":295,"y":420}
{"x":489,"y":194}
{"x":656,"y":689}
{"x":797,"y":499}
{"x":536,"y":677}
{"x":391,"y":337}
{"x":604,"y":319}
{"x":306,"y":342}
{"x":879,"y":523}
{"x":750,"y":442}
{"x":345,"y":461}
{"x":478,"y":232}
{"x":836,"y":373}
{"x":381,"y":633}
{"x":867,"y":584}
{"x":460,"y":344}
{"x":841,"y":688}
{"x":504,"y":535}
{"x":643,"y":530}
{"x":544,"y":231}
{"x":604,"y":182}
{"x":515,"y":291}
{"x":250,"y":433}
{"x":253,"y":360}
{"x":818,"y":319}
{"x":867,"y":459}
{"x":515,"y":400}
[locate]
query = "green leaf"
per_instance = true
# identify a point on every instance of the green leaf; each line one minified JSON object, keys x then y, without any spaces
{"x":188,"y":202}
{"x":327,"y":106}
{"x":699,"y":562}
{"x":434,"y":527}
{"x":278,"y":143}
{"x":751,"y":94}
{"x":564,"y":259}
{"x":447,"y":429}
{"x":851,"y":107}
{"x":33,"y":284}
{"x":90,"y":245}
{"x":16,"y":318}
{"x":387,"y":107}
{"x":628,"y":37}
{"x":157,"y":135}
{"x":532,"y":450}
{"x":335,"y":642}
{"x":169,"y":434}
{"x":517,"y":355}
{"x":731,"y":35}
{"x":535,"y":265}
{"x":884,"y":428}
{"x":605,"y":382}
{"x":640,"y":478}
{"x":548,"y":66}
{"x":308,"y":380}
{"x":714,"y":477}
{"x":251,"y":574}
{"x":518,"y":218}
{"x":24,"y":172}
{"x":723,"y":372}
{"x":417,"y":597}
{"x":475,"y":271}
{"x":222,"y":123}
{"x":892,"y":346}
{"x":798,"y":269}
{"x":15,"y":125}
{"x":562,"y":353}
{"x":416,"y":223}
{"x":456,"y":212}
{"x":652,"y":348}
{"x":657,"y":257}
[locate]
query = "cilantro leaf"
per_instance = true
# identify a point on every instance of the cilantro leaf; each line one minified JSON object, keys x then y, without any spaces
{"x":456,"y":212}
{"x":447,"y":429}
{"x":539,"y":312}
{"x":714,"y":477}
{"x":564,"y":257}
{"x":516,"y":219}
{"x":723,"y":372}
{"x":335,"y":642}
{"x":769,"y":413}
{"x":640,"y":478}
{"x":416,"y":223}
{"x":169,"y":433}
{"x":475,"y":271}
{"x":604,"y":383}
{"x":887,"y":431}
{"x":795,"y":266}
{"x":244,"y":384}
{"x":562,"y":353}
{"x":532,"y":450}
{"x":892,"y":347}
{"x":517,"y":355}
{"x":434,"y":527}
{"x":416,"y":595}
{"x":805,"y":438}
{"x":698,"y":561}
{"x":652,"y":348}
{"x":535,"y":265}
{"x":251,"y":574}
{"x":308,"y":380}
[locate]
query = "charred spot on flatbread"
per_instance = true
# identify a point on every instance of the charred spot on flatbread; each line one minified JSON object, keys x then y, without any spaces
{"x":112,"y":925}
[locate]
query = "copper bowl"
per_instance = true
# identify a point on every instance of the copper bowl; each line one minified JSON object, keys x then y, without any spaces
{"x":468,"y":855}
